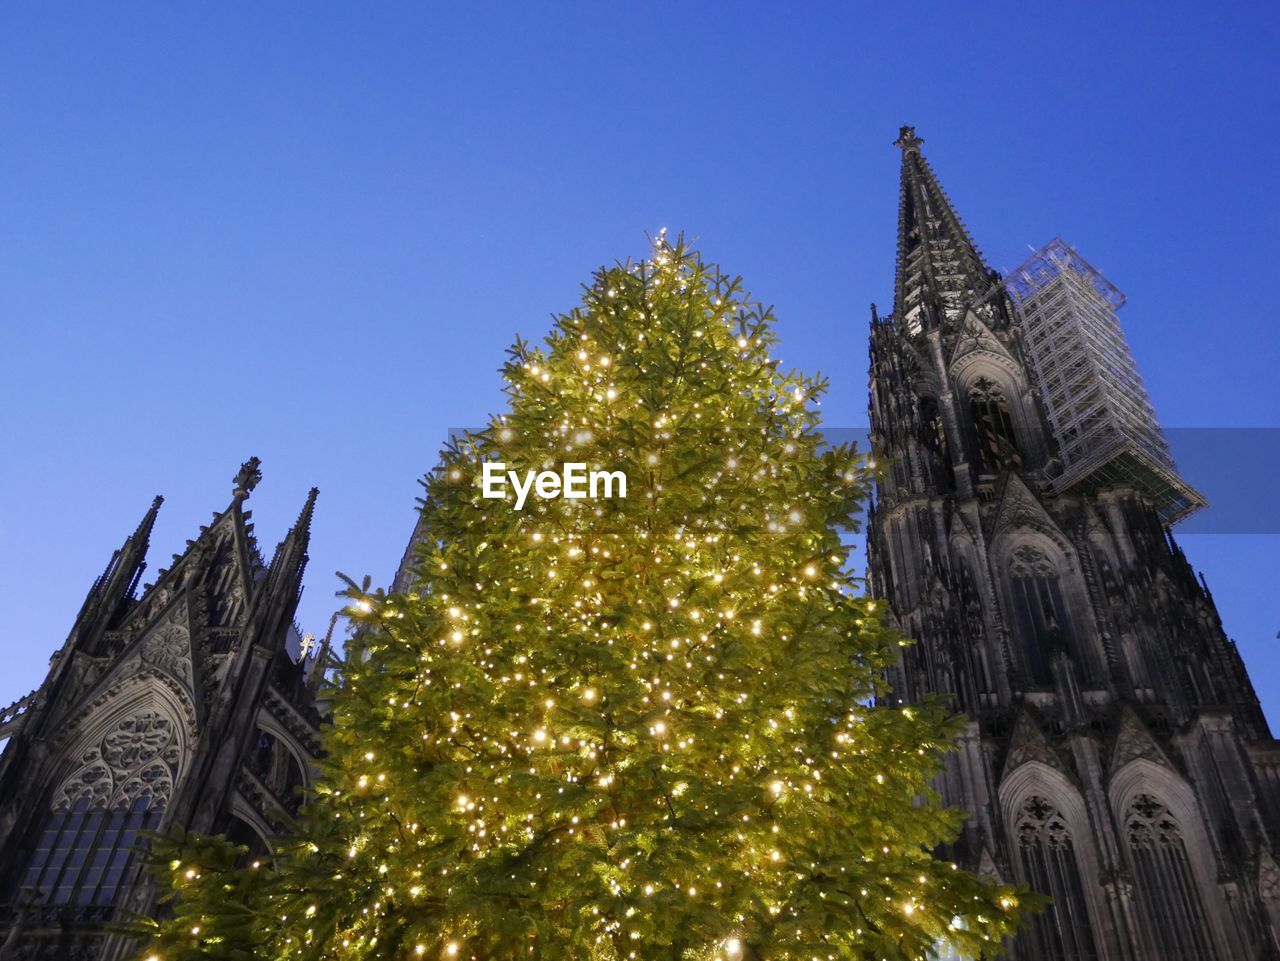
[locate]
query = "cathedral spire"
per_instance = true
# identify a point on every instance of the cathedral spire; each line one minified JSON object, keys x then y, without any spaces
{"x":143,"y":532}
{"x":114,"y":589}
{"x":302,"y":525}
{"x":940,"y":270}
{"x":290,"y":560}
{"x":294,"y":546}
{"x":1020,"y":538}
{"x":135,"y":548}
{"x":132,"y":553}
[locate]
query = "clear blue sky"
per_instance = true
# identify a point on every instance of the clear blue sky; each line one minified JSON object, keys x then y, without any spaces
{"x":308,"y":232}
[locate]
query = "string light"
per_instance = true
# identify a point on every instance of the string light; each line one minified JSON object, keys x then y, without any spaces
{"x":475,"y":754}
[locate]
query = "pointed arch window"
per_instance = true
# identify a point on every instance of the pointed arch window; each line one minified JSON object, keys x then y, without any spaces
{"x":279,"y":771}
{"x":119,"y":790}
{"x":1050,"y":865}
{"x":1038,"y":609}
{"x":993,"y":427}
{"x":1166,"y":884}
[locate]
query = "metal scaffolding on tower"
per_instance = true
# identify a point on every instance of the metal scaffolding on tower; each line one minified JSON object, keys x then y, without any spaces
{"x":1097,"y":406}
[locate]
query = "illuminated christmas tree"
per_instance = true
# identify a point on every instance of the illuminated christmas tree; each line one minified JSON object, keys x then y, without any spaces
{"x":621,"y":726}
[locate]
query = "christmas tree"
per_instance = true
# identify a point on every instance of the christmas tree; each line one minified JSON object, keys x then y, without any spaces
{"x":643,"y":724}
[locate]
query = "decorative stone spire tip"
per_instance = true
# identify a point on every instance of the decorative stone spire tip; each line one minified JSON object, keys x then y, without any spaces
{"x":248,"y":478}
{"x":907,"y":139}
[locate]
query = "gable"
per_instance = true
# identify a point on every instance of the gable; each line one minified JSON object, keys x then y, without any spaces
{"x":975,"y":340}
{"x":222,"y":561}
{"x":1028,"y":744}
{"x":1019,"y":508}
{"x":1134,"y":741}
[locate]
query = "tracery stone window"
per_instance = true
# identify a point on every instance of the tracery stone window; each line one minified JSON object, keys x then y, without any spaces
{"x":1063,"y":931}
{"x":993,"y":427}
{"x":1165,"y":882}
{"x":1038,"y":609}
{"x":121,"y":788}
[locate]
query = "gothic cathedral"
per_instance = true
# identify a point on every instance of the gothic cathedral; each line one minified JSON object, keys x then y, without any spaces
{"x":1115,"y":757}
{"x":191,"y":705}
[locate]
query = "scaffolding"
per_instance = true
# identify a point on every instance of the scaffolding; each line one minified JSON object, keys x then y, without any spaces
{"x":1097,"y":406}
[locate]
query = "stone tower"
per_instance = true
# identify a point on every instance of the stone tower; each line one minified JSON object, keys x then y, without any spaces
{"x":1115,"y":755}
{"x":191,"y":705}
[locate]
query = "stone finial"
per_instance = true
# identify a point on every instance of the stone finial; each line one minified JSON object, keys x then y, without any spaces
{"x":248,"y":478}
{"x":907,"y":139}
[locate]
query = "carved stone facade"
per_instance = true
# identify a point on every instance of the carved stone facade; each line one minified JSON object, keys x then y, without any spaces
{"x":1116,"y":756}
{"x":189,"y":705}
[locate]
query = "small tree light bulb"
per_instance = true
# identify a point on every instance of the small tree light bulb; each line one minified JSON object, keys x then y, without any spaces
{"x":589,"y":694}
